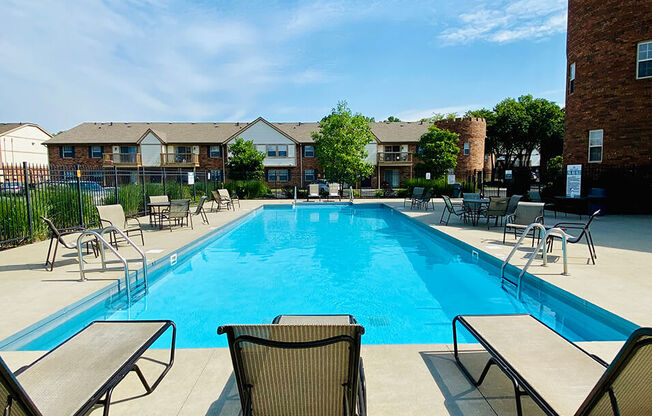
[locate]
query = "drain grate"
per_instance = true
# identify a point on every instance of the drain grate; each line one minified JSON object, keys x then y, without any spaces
{"x":378,"y":321}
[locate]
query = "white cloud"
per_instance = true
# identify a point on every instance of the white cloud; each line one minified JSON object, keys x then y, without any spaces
{"x":507,"y":21}
{"x":418,"y":114}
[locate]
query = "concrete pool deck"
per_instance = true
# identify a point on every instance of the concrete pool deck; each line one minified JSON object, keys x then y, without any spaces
{"x":401,"y":379}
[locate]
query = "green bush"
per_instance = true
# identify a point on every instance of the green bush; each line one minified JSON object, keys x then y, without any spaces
{"x":248,"y":189}
{"x":63,"y":207}
{"x":437,"y":186}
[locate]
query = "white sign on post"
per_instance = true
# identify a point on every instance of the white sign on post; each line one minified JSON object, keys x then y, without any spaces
{"x":573,"y":181}
{"x":451,"y":179}
{"x":508,"y":174}
{"x":191,"y":178}
{"x":428,"y":175}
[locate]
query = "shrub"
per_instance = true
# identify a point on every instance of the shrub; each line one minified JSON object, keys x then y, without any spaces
{"x":437,"y":186}
{"x":248,"y":189}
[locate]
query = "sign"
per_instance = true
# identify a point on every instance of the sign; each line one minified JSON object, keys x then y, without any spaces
{"x":191,"y":178}
{"x":451,"y":179}
{"x":428,"y":175}
{"x":508,"y":174}
{"x":78,"y":173}
{"x":573,"y":181}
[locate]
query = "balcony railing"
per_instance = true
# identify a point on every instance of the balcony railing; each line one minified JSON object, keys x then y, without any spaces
{"x":394,"y":158}
{"x":180,"y":159}
{"x":122,"y":159}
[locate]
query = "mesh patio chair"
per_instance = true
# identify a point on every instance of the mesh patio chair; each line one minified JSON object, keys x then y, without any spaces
{"x":313,"y":191}
{"x":535,"y":196}
{"x":559,"y":376}
{"x":417,"y":192}
{"x":115,"y":215}
{"x":526,"y":213}
{"x":300,"y":365}
{"x":57,"y":237}
{"x":425,"y":200}
{"x":450,"y":209}
{"x":334,"y":191}
{"x":585,"y":232}
{"x":157,"y":199}
{"x":497,"y":209}
{"x":179,"y":210}
{"x":82,"y":372}
{"x":200,"y":210}
{"x":226,"y":198}
{"x":513,"y":203}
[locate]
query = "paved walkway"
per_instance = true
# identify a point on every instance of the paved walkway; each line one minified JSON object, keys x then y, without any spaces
{"x":401,"y":379}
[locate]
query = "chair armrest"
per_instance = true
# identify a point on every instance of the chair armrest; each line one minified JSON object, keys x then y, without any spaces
{"x":133,"y":217}
{"x":103,"y":220}
{"x":539,"y":219}
{"x":569,"y":224}
{"x":509,"y":218}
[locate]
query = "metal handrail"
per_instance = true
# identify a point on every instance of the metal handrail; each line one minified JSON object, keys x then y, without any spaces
{"x":518,"y":243}
{"x":103,"y":242}
{"x":295,"y":195}
{"x":351,"y":194}
{"x":132,"y":244}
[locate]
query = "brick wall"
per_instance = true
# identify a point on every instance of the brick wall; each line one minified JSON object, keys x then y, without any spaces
{"x":81,"y":156}
{"x":602,"y":42}
{"x":472,"y":131}
{"x":210,"y":163}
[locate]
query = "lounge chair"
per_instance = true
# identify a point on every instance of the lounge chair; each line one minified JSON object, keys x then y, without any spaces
{"x":218,"y":200}
{"x":417,"y":193}
{"x":558,"y":375}
{"x":200,"y":210}
{"x":115,"y":215}
{"x":497,"y":209}
{"x":585,"y":232}
{"x":425,"y":200}
{"x":513,"y":203}
{"x":179,"y":210}
{"x":299,"y":365}
{"x":56,"y":238}
{"x":334,"y":191}
{"x":526,"y":213}
{"x":83,"y":371}
{"x":450,"y":209}
{"x":228,"y":198}
{"x":313,"y":191}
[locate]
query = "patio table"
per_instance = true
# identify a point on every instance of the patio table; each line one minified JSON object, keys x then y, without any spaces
{"x":156,"y":210}
{"x":474,"y":207}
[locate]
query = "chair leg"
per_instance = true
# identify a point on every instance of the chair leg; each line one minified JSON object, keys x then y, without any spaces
{"x":588,"y":233}
{"x":190,"y":219}
{"x":504,"y":233}
{"x":47,"y":258}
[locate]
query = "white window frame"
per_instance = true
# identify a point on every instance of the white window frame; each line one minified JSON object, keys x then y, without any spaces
{"x":649,"y":57}
{"x":313,"y":175}
{"x":571,"y":78}
{"x":601,"y":145}
{"x":467,"y":148}
{"x":210,"y":152}
{"x":271,"y":147}
{"x":281,"y":148}
{"x":275,"y":175}
{"x":72,"y":152}
{"x":312,"y":151}
{"x":93,"y":153}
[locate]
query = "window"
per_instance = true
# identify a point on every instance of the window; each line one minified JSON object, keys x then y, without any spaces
{"x":595,"y":146}
{"x":67,"y":152}
{"x":271,"y":150}
{"x":214,"y":151}
{"x":128,"y":149}
{"x":95,"y":152}
{"x":282,"y":150}
{"x":309,"y":151}
{"x":392,"y":149}
{"x":309,"y":175}
{"x":644,"y":60}
{"x":182,"y":150}
{"x":281,"y":175}
{"x":216,"y":175}
{"x":467,"y":148}
{"x":571,"y":78}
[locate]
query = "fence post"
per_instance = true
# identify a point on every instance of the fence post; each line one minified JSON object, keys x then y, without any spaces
{"x":164,"y":191}
{"x":79,"y":194}
{"x":205,"y":182}
{"x":194,"y":184}
{"x":144,"y":192}
{"x":115,"y":183}
{"x":28,"y":200}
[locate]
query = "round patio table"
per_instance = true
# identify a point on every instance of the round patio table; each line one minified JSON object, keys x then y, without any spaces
{"x":474,"y":207}
{"x":156,"y":210}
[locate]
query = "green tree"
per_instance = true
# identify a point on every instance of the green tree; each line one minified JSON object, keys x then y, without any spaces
{"x":340,"y":145}
{"x":245,"y":162}
{"x":440,"y":116}
{"x":393,"y":119}
{"x":438,"y":151}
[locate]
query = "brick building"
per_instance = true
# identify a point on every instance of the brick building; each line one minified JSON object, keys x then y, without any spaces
{"x":289,"y":147}
{"x":609,"y":83}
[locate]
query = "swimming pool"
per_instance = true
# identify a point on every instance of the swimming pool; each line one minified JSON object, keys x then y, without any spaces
{"x":403,"y":281}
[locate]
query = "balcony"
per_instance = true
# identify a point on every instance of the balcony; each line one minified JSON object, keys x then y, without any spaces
{"x":181,"y":160}
{"x":127,"y":160}
{"x":395,"y":158}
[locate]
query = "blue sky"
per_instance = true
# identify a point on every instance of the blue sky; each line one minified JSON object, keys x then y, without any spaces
{"x":63,"y":63}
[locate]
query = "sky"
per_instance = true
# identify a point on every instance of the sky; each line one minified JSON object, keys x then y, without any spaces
{"x":67,"y":62}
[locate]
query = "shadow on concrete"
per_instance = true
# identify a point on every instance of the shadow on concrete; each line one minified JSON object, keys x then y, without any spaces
{"x":228,"y":403}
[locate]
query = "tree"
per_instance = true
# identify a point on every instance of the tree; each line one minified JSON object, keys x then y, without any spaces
{"x":439,"y":117}
{"x":438,"y":151}
{"x":393,"y":119}
{"x":340,"y":145}
{"x":245,"y":162}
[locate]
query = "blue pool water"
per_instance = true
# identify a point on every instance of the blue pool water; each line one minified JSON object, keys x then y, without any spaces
{"x":402,"y":282}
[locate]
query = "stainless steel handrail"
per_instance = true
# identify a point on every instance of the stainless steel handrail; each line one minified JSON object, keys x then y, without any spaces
{"x":295,"y":196}
{"x":103,"y":242}
{"x":518,"y":243}
{"x":132,"y":244}
{"x":351,"y":194}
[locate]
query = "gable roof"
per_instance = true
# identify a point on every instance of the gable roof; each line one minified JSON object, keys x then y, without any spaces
{"x":5,"y":128}
{"x":260,"y":119}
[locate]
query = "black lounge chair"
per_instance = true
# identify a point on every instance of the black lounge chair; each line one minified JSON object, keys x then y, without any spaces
{"x":451,"y":209}
{"x":299,"y":365}
{"x":585,"y":232}
{"x":557,"y":374}
{"x":201,"y":211}
{"x":83,"y":371}
{"x":56,"y":238}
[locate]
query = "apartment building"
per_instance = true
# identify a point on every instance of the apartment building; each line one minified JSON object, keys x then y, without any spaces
{"x":289,"y":147}
{"x":23,"y":142}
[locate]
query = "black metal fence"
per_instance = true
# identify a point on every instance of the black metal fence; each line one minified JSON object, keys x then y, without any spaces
{"x":68,"y":194}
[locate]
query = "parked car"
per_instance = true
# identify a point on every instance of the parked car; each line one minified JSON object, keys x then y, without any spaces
{"x":11,"y":188}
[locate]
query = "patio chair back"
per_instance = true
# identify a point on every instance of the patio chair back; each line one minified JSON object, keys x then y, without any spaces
{"x":224,"y":195}
{"x":471,"y":195}
{"x":333,"y":189}
{"x":625,"y":387}
{"x":111,"y":215}
{"x":157,"y":199}
{"x":417,"y":192}
{"x":513,"y":203}
{"x":200,"y":205}
{"x":448,"y":204}
{"x":216,"y":196}
{"x":12,"y":395}
{"x":313,"y":189}
{"x":296,"y":370}
{"x":535,"y":196}
{"x":179,"y":208}
{"x":528,"y":212}
{"x":53,"y":229}
{"x":426,"y":197}
{"x":497,"y":206}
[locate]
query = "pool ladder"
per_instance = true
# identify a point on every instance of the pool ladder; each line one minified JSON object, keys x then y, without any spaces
{"x":99,"y":237}
{"x":540,"y":246}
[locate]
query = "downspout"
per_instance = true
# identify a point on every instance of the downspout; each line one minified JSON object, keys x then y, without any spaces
{"x":223,"y":163}
{"x":301,"y":164}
